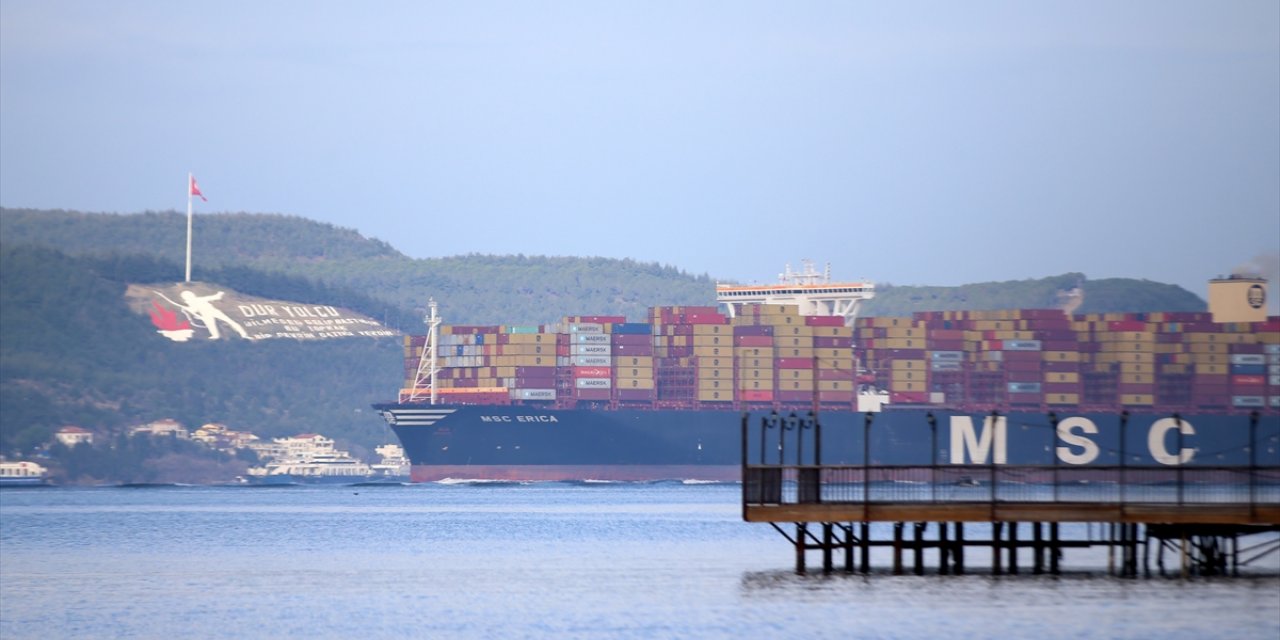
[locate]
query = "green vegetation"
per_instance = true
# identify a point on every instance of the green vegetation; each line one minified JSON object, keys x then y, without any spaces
{"x":144,"y":459}
{"x":1122,"y":295}
{"x":71,"y":351}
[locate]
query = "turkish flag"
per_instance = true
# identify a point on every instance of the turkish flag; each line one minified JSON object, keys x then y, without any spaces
{"x":195,"y":190}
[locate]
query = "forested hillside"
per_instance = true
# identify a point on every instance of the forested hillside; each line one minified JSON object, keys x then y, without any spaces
{"x":473,"y":289}
{"x":71,"y":352}
{"x":1091,"y":296}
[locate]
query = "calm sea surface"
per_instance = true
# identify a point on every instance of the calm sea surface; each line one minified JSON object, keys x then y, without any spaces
{"x":542,"y":560}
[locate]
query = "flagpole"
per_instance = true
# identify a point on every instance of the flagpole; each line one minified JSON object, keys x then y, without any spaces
{"x":190,"y":177}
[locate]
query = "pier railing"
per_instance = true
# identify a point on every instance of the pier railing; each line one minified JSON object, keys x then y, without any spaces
{"x":782,"y":467}
{"x":771,"y":484}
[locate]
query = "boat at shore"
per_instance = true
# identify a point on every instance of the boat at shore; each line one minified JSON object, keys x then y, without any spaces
{"x":601,"y":398}
{"x":22,"y":473}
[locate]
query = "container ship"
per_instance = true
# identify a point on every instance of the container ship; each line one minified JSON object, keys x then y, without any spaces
{"x":602,"y":398}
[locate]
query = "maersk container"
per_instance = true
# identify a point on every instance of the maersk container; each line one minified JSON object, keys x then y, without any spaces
{"x":954,"y":356}
{"x":590,"y":350}
{"x":590,"y":361}
{"x":592,"y":383}
{"x":585,"y":327}
{"x":945,"y":366}
{"x":1024,"y":387}
{"x":1021,"y":345}
{"x":1248,"y":359}
{"x":533,"y":394}
{"x":590,"y":338}
{"x":1248,"y":401}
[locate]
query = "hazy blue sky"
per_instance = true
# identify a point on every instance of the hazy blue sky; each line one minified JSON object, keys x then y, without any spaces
{"x":904,"y":142}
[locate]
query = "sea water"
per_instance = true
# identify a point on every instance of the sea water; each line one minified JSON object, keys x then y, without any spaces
{"x":664,"y":560}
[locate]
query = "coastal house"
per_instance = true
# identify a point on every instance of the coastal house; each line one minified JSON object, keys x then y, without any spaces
{"x":72,"y":435}
{"x":167,"y":427}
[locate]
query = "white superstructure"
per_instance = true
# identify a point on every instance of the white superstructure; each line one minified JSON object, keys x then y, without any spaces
{"x":813,"y":292}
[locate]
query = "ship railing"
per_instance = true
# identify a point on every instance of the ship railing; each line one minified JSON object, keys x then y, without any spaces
{"x":766,"y":484}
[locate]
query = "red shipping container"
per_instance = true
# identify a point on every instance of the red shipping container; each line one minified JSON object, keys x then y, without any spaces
{"x":946,"y":334}
{"x":592,"y":372}
{"x":828,"y":342}
{"x":1240,"y":381}
{"x":1126,"y":325}
{"x":824,"y":321}
{"x":908,"y":397}
{"x":1060,"y":387}
{"x":793,"y":363}
{"x":753,"y":341}
{"x":756,"y":396}
{"x":835,"y":374}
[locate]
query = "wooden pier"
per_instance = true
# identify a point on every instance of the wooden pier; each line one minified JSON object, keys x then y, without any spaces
{"x":1211,"y":520}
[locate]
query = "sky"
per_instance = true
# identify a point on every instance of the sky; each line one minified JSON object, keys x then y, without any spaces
{"x":912,"y":143}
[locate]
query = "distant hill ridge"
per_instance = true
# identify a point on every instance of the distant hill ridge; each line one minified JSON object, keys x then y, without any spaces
{"x":488,"y":289}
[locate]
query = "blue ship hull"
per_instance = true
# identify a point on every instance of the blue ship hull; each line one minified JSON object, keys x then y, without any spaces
{"x":524,"y":443}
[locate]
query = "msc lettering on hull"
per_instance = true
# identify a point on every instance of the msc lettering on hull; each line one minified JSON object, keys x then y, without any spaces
{"x":971,"y":446}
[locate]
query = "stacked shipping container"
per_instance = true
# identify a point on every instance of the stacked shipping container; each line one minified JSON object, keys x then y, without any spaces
{"x":681,"y":358}
{"x":1044,"y":358}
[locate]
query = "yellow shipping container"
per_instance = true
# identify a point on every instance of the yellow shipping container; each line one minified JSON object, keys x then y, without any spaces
{"x":715,"y":384}
{"x":1174,"y":368}
{"x":1268,"y":337}
{"x":755,"y":385}
{"x":755,"y":373}
{"x":918,"y":365}
{"x":835,"y":385}
{"x":707,"y":352}
{"x":904,"y":374}
{"x":713,"y":340}
{"x":632,"y":372}
{"x":1209,"y":358}
{"x":793,"y":352}
{"x":900,"y":343}
{"x":795,"y":374}
{"x":633,"y":383}
{"x":1010,"y":334}
{"x":633,"y":361}
{"x":1062,"y":398}
{"x":792,"y":341}
{"x":1061,"y":356}
{"x":908,"y":385}
{"x":713,"y":373}
{"x":725,"y":395}
{"x":755,"y":363}
{"x":905,"y":332}
{"x":753,"y":352}
{"x":1117,"y":356}
{"x":1061,"y":376}
{"x":795,"y":385}
{"x":1208,"y":347}
{"x":801,"y":331}
{"x":1137,"y":378}
{"x":1136,"y":367}
{"x":836,"y":332}
{"x":712,"y":330}
{"x":1137,"y":398}
{"x":1212,"y":369}
{"x":775,"y":320}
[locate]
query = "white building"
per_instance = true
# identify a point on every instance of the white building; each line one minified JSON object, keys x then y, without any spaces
{"x":166,"y":427}
{"x":73,"y":435}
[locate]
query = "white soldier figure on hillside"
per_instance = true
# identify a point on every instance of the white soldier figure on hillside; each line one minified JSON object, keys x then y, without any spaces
{"x":202,"y":308}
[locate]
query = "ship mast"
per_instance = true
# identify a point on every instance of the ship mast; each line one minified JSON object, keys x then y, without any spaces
{"x":425,"y":378}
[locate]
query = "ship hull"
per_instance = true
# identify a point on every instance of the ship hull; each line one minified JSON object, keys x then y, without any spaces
{"x":521,"y":443}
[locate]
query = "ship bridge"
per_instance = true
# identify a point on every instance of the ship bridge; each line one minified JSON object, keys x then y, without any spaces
{"x":813,"y":292}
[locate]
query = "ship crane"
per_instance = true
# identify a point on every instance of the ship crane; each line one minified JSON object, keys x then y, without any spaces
{"x":424,"y":380}
{"x":813,"y":292}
